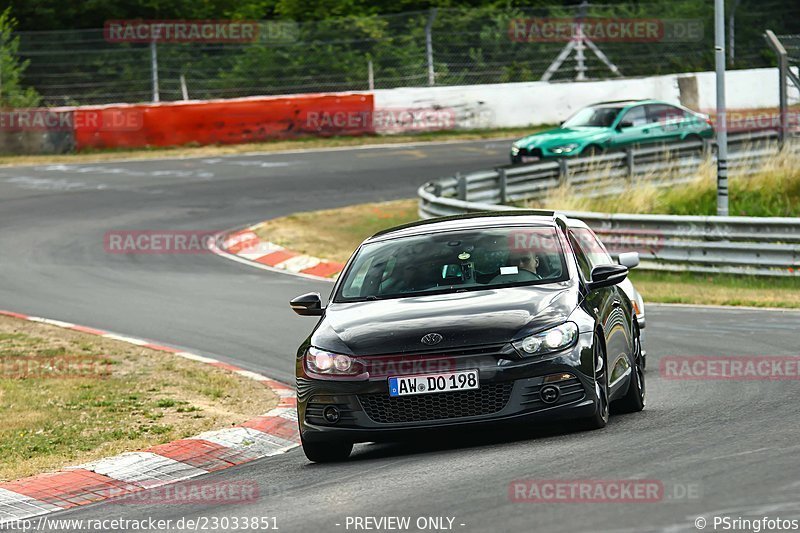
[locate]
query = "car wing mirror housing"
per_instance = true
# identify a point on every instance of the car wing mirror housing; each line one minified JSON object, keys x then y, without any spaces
{"x":607,"y":276}
{"x":628,"y":259}
{"x":624,"y":124}
{"x":309,"y":304}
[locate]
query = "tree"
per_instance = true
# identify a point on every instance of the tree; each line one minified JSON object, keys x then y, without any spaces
{"x":12,"y":94}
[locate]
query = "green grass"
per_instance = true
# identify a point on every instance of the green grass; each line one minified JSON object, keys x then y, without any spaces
{"x":717,"y":289}
{"x":773,"y":192}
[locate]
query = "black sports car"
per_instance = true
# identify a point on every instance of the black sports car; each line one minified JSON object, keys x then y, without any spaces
{"x":463,"y":321}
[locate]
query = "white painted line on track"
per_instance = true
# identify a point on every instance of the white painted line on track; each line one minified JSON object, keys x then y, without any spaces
{"x":123,"y":338}
{"x":724,"y":307}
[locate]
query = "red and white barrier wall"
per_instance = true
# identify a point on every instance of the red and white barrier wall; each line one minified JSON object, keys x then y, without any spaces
{"x":221,"y":121}
{"x":383,"y":111}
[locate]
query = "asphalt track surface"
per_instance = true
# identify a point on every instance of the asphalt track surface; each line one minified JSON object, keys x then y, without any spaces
{"x":718,"y":448}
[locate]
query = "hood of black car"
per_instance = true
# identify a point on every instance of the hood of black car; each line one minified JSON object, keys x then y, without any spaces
{"x":463,"y":319}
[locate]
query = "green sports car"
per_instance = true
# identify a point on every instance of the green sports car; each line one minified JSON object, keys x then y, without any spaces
{"x":613,"y":125}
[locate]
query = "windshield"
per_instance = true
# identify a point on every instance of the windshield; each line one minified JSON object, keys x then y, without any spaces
{"x":455,"y":261}
{"x":596,"y":117}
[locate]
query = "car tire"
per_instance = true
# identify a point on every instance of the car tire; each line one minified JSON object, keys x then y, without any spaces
{"x":636,"y":397}
{"x":327,"y":452}
{"x":599,"y":419}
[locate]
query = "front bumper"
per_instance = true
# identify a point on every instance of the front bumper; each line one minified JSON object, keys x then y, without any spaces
{"x":510,"y":392}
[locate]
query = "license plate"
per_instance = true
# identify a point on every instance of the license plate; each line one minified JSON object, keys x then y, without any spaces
{"x":431,"y":383}
{"x":529,"y":159}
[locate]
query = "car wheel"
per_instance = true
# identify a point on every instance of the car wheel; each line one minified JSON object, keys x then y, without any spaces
{"x":600,"y":417}
{"x":327,"y":452}
{"x":636,"y":397}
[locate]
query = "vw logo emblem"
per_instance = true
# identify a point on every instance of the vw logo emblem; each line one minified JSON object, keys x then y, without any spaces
{"x":432,"y":338}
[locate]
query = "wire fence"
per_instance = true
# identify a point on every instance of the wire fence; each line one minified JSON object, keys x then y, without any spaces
{"x":451,"y":46}
{"x":792,"y":45}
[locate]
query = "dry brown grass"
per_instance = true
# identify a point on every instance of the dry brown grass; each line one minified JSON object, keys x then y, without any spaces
{"x":774,"y":190}
{"x":335,"y":233}
{"x":147,"y":398}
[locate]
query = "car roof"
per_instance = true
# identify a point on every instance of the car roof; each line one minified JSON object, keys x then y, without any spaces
{"x":468,"y":221}
{"x":630,"y":102}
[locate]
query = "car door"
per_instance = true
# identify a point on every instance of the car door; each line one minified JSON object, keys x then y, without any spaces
{"x":632,"y":128}
{"x":666,"y":122}
{"x":610,"y":304}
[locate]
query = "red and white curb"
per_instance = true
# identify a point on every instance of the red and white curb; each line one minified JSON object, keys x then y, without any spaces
{"x":245,"y":246}
{"x":272,"y":433}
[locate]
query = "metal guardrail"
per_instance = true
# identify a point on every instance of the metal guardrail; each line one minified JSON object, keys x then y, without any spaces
{"x":742,"y":245}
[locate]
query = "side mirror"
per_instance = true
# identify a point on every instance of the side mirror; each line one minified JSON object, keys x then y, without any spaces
{"x":308,"y":304}
{"x":629,"y":259}
{"x":607,"y":276}
{"x":624,"y":124}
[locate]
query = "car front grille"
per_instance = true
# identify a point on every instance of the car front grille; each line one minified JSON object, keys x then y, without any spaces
{"x":532,"y":152}
{"x":384,"y":409}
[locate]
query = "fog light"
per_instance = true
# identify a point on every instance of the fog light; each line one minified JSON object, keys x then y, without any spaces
{"x":331,"y":414}
{"x":552,"y":378}
{"x":550,"y":393}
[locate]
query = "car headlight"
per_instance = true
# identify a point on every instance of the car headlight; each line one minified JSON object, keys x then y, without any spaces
{"x":514,"y":149}
{"x":551,"y":340}
{"x":564,"y":148}
{"x":332,"y":364}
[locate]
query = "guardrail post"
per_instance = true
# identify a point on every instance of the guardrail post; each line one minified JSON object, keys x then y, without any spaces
{"x":629,"y":162}
{"x":502,"y":182}
{"x":462,"y":186}
{"x":563,"y":171}
{"x":707,"y":146}
{"x":437,"y":190}
{"x":783,"y":67}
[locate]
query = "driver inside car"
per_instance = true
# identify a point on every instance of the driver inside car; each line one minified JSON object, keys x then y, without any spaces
{"x":526,"y":261}
{"x":521,"y":266}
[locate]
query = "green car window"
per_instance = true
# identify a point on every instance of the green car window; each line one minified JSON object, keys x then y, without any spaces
{"x":635,"y":115}
{"x":594,"y":117}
